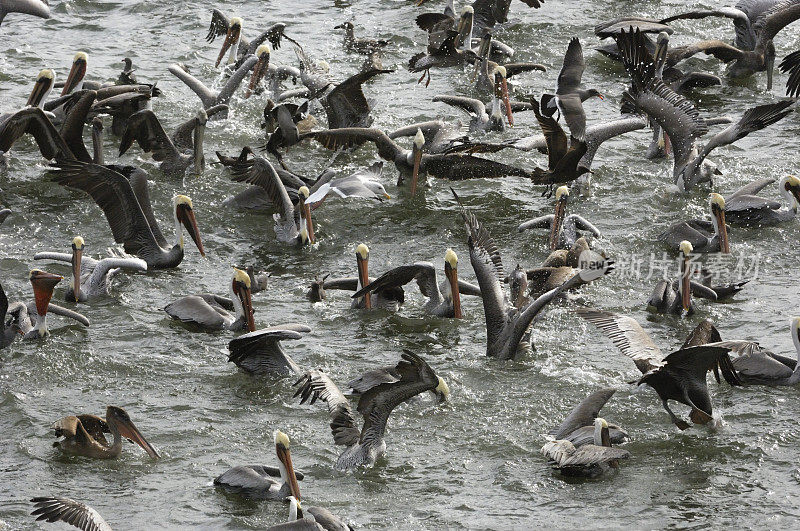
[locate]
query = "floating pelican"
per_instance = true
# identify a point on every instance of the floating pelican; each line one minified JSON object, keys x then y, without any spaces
{"x":745,"y":207}
{"x":364,"y":446}
{"x":37,"y":8}
{"x":507,"y":326}
{"x":676,"y":296}
{"x":444,"y":300}
{"x":32,"y":318}
{"x":130,"y":214}
{"x":83,"y":435}
{"x":563,"y":228}
{"x":52,"y":509}
{"x":90,"y":278}
{"x":145,"y":128}
{"x":257,"y":481}
{"x":588,"y":459}
{"x":579,"y":429}
{"x":210,"y":312}
{"x":705,"y":237}
{"x":680,"y":376}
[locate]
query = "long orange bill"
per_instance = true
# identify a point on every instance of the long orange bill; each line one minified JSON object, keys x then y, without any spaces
{"x":258,"y":73}
{"x":39,"y":91}
{"x":415,"y":172}
{"x":186,"y":216}
{"x":452,"y":277}
{"x":667,"y":144}
{"x":129,"y":431}
{"x":43,"y":284}
{"x":309,"y":222}
{"x":558,"y":221}
{"x":724,"y":244}
{"x":76,"y":74}
{"x":363,"y":275}
{"x":231,"y":37}
{"x":77,"y":255}
{"x":286,"y":458}
{"x":246,"y":298}
{"x":506,"y":100}
{"x":686,"y":288}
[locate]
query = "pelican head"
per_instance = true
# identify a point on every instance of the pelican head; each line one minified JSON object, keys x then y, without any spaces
{"x":362,"y":261}
{"x":660,"y":54}
{"x":451,"y":272}
{"x":42,"y":87}
{"x":416,"y":155}
{"x":790,"y":188}
{"x":303,"y":193}
{"x":260,"y":69}
{"x":76,"y":73}
{"x":43,"y":284}
{"x":717,"y":203}
{"x":686,"y":248}
{"x":118,"y":419}
{"x":466,"y":21}
{"x":501,"y":90}
{"x":241,"y":291}
{"x":562,"y":194}
{"x":295,"y":509}
{"x":285,"y":463}
{"x":601,"y":435}
{"x":77,"y":256}
{"x":184,"y":215}
{"x":442,"y":390}
{"x":232,"y":39}
{"x":686,"y":286}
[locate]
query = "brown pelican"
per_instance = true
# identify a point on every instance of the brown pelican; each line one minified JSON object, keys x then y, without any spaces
{"x":388,"y":299}
{"x":590,"y":460}
{"x":705,"y":237}
{"x":569,"y":98}
{"x":37,"y":8}
{"x":234,"y":40}
{"x":52,"y":509}
{"x":745,"y":207}
{"x":361,"y":46}
{"x":676,"y":296}
{"x":130,"y":214}
{"x":791,"y":65}
{"x":507,"y":326}
{"x":363,"y":183}
{"x":257,"y":481}
{"x":208,"y":97}
{"x":444,"y":300}
{"x":680,"y":376}
{"x":578,"y":427}
{"x":293,"y":222}
{"x":317,"y":519}
{"x":76,"y":73}
{"x":145,"y":128}
{"x":83,"y":434}
{"x":260,"y":352}
{"x":210,"y":312}
{"x":453,"y":166}
{"x":90,"y":278}
{"x":364,"y":446}
{"x":757,"y":366}
{"x":563,"y":229}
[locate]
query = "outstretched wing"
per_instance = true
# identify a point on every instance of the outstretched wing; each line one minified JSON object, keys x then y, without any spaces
{"x":260,"y":172}
{"x":314,"y":385}
{"x":423,"y":272}
{"x":584,"y":413}
{"x":33,"y":121}
{"x":219,"y":25}
{"x":82,"y":516}
{"x":260,"y":352}
{"x":145,"y":128}
{"x":628,"y":336}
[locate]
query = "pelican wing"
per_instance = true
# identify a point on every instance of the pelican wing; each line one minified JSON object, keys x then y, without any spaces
{"x":704,"y":333}
{"x":141,"y":189}
{"x":590,"y":455}
{"x":721,"y":50}
{"x":77,"y":514}
{"x":621,"y":24}
{"x":334,"y":139}
{"x":738,"y":16}
{"x":72,"y":128}
{"x":182,"y":137}
{"x":260,"y":172}
{"x":687,"y":231}
{"x":370,"y":379}
{"x":71,"y":427}
{"x":219,"y":25}
{"x":104,"y":266}
{"x":584,"y":413}
{"x":584,"y":225}
{"x":513,"y":69}
{"x":569,"y":78}
{"x":346,"y":284}
{"x":554,"y":136}
{"x":194,"y":309}
{"x":55,"y":309}
{"x":757,"y":364}
{"x":434,"y":22}
{"x":752,"y":188}
{"x":247,"y":478}
{"x":423,"y":272}
{"x":3,"y":307}
{"x":244,"y":66}
{"x":542,"y":222}
{"x":206,"y":95}
{"x":316,"y":385}
{"x":145,"y":128}
{"x":470,"y":105}
{"x":325,"y":519}
{"x":697,"y":361}
{"x":273,"y":34}
{"x":33,"y":121}
{"x":260,"y":352}
{"x":416,"y":377}
{"x":791,"y":65}
{"x":773,"y":20}
{"x":113,"y":194}
{"x":346,"y":104}
{"x":95,"y":427}
{"x":628,"y":336}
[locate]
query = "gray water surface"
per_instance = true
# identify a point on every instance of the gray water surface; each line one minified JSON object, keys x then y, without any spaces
{"x":471,"y":463}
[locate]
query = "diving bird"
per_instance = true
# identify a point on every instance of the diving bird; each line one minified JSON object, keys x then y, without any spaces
{"x":705,"y":236}
{"x":590,"y":460}
{"x":389,"y":298}
{"x":212,"y":313}
{"x":127,"y":208}
{"x":362,"y":46}
{"x":146,"y":130}
{"x":36,"y":8}
{"x":563,"y":228}
{"x":84,"y":434}
{"x":265,"y":482}
{"x":310,"y":519}
{"x":293,"y":224}
{"x":260,"y":352}
{"x":745,"y":207}
{"x":675,"y":296}
{"x":57,"y":509}
{"x":444,"y":300}
{"x":578,"y":428}
{"x":680,"y":376}
{"x":364,"y":446}
{"x":90,"y":278}
{"x":506,"y":325}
